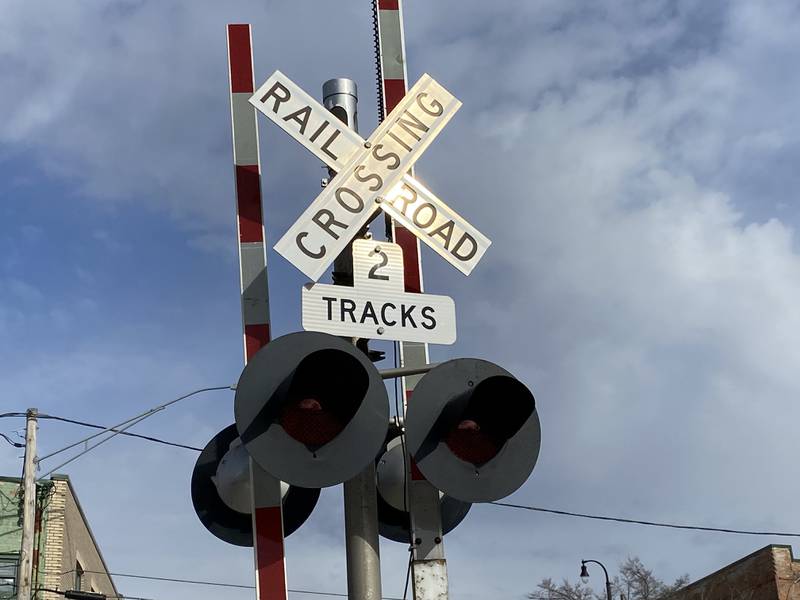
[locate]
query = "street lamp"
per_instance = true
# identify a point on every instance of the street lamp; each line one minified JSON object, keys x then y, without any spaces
{"x":585,"y":575}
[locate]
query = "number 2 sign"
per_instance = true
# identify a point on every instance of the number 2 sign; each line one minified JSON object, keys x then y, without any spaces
{"x":377,"y":306}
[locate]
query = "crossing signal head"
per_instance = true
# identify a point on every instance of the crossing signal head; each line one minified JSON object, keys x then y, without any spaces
{"x":473,"y":430}
{"x":221,"y":492}
{"x":311,"y":409}
{"x":394,"y":521}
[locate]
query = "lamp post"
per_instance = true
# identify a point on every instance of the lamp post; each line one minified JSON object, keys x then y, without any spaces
{"x":585,"y":575}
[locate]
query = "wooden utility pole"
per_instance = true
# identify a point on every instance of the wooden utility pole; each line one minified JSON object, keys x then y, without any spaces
{"x":25,"y":573}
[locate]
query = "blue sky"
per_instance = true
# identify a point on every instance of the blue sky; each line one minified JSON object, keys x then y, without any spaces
{"x":632,"y":161}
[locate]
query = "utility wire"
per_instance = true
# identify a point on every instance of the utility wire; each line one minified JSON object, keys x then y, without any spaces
{"x":120,"y":428}
{"x":87,"y":449}
{"x":94,"y":426}
{"x":408,"y":572}
{"x":133,"y":420}
{"x":504,"y":504}
{"x":128,"y":433}
{"x":221,"y":584}
{"x":12,"y":442}
{"x":649,"y":523}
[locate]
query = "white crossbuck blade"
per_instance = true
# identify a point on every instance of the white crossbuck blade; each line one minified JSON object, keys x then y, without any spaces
{"x":371,"y":175}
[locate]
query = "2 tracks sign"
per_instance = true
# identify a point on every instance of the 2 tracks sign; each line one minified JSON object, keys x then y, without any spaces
{"x":377,"y":305}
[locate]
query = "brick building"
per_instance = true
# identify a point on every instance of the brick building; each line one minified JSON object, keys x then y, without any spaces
{"x":66,"y":555}
{"x":766,"y":574}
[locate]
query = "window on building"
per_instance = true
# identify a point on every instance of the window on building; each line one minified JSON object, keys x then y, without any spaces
{"x":8,"y":576}
{"x":78,"y":576}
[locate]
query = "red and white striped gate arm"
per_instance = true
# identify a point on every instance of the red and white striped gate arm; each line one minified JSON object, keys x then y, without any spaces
{"x":428,"y":567}
{"x":391,"y":57}
{"x":266,"y":490}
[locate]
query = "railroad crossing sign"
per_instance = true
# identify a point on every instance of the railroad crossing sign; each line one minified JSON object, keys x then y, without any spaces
{"x":376,"y":306}
{"x":371,"y":175}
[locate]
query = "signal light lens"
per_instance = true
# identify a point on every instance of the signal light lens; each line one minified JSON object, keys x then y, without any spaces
{"x":469,"y":443}
{"x":305,"y":420}
{"x":311,"y":414}
{"x":494,"y":412}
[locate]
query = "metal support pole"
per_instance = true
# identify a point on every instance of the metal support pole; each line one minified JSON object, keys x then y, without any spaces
{"x":428,"y":566}
{"x":405,"y":371}
{"x":340,"y":96}
{"x":25,"y":574}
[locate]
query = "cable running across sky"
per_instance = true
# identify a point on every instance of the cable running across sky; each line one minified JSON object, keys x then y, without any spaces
{"x":552,"y":511}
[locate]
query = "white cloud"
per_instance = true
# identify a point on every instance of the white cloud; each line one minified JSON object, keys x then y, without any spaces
{"x":626,"y":159}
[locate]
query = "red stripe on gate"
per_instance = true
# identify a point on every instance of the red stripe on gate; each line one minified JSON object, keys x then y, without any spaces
{"x":248,"y":200}
{"x":394,"y":90}
{"x":411,"y":269}
{"x":388,"y":5}
{"x":255,"y":338}
{"x":267,"y":526}
{"x":241,"y":63}
{"x":269,"y":541}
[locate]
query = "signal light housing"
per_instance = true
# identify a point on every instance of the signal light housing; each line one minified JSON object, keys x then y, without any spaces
{"x":472,"y":430}
{"x":311,"y":409}
{"x":394,"y":521}
{"x":221,"y":492}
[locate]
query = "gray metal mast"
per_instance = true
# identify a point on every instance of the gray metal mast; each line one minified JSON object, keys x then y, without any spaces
{"x":340,"y":96}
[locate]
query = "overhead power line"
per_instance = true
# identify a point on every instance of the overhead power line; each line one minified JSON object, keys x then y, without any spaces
{"x":128,"y":433}
{"x":552,"y":511}
{"x":120,"y":428}
{"x":12,"y":442}
{"x":95,"y":426}
{"x":649,"y":523}
{"x":222,"y":584}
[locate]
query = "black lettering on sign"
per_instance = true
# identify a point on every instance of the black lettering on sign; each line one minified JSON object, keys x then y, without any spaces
{"x":330,"y":302}
{"x":340,"y":194}
{"x":418,"y":220}
{"x":444,"y":231}
{"x":386,"y":321}
{"x":368,"y":312}
{"x":434,"y":108}
{"x":427,"y":313}
{"x":406,"y":201}
{"x":349,"y":309}
{"x":405,"y":315}
{"x":470,"y":253}
{"x":299,"y":240}
{"x":378,"y":181}
{"x":399,"y":141}
{"x":328,"y":223}
{"x":388,"y":156}
{"x":373,"y":272}
{"x":273,"y":92}
{"x":409,"y":121}
{"x":300,"y":116}
{"x":327,"y":144}
{"x":319,"y":130}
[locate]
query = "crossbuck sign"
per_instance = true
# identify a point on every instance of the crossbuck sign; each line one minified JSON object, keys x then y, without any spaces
{"x":371,"y":175}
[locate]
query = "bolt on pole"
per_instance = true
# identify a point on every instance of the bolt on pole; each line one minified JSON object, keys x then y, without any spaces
{"x":340,"y":96}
